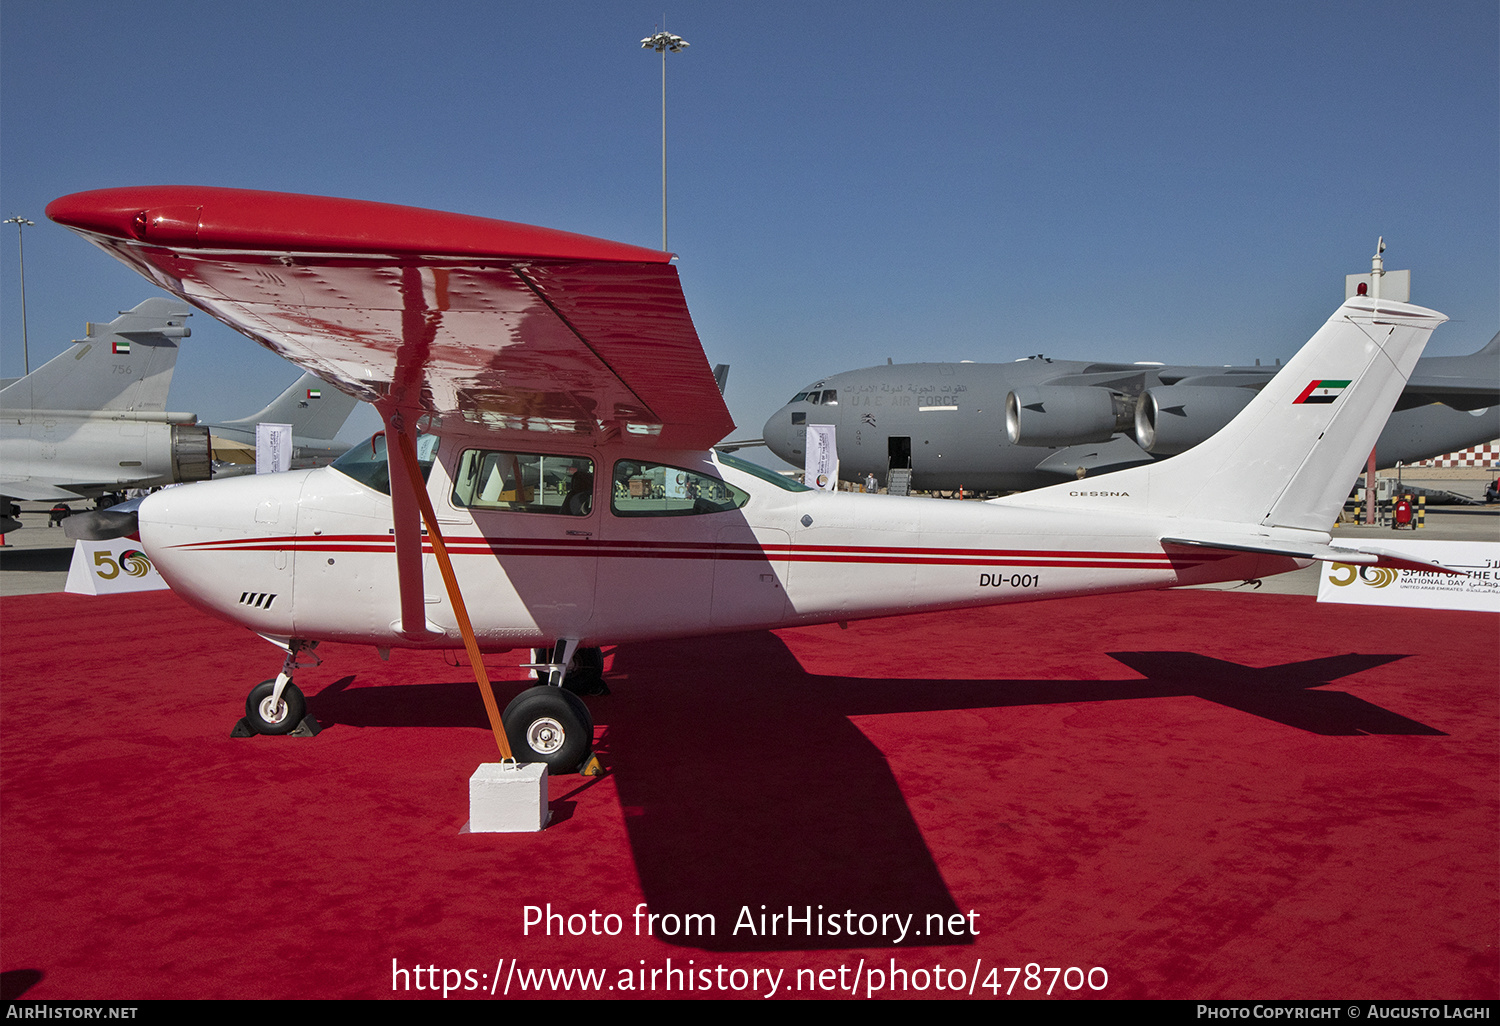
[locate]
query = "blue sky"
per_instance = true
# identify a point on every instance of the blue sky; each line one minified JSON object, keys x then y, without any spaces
{"x":1186,"y":182}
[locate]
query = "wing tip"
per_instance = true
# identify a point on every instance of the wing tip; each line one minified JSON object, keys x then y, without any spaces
{"x":212,"y":217}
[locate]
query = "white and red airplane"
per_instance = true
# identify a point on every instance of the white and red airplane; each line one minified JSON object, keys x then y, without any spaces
{"x":551,"y":392}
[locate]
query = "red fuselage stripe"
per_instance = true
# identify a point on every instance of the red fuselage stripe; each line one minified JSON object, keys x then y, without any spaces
{"x":892,"y":555}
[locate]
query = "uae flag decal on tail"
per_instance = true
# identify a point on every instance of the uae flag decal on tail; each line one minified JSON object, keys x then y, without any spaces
{"x":1324,"y":391}
{"x":314,"y":393}
{"x":120,"y":348}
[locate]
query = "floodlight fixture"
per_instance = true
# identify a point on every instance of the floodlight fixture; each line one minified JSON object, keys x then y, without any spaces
{"x":664,"y":42}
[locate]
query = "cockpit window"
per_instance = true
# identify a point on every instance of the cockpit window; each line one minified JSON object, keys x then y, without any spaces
{"x":653,"y":490}
{"x":799,"y":397}
{"x":830,"y":397}
{"x":366,"y":462}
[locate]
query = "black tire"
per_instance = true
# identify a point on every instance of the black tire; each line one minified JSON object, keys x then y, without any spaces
{"x":550,"y":725}
{"x":284,"y":718}
{"x":586,"y":673}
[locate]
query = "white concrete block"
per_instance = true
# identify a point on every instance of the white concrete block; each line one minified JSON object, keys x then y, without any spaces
{"x":508,"y":798}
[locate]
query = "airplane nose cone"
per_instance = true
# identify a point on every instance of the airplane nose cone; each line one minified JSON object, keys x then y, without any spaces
{"x":777,"y":433}
{"x":215,"y":541}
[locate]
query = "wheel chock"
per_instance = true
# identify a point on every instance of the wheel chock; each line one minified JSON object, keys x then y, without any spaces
{"x":309,"y":727}
{"x":591,"y":767}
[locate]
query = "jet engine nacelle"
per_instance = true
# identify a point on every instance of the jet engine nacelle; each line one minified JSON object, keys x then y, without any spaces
{"x":1171,"y":419}
{"x":109,"y":450}
{"x":1065,"y":415}
{"x":192,"y":455}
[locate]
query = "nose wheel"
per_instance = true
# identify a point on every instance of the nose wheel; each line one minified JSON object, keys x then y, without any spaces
{"x":550,"y":725}
{"x":277,"y":707}
{"x":266,"y":714}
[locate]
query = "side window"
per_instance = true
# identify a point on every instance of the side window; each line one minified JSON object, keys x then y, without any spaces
{"x":525,"y":482}
{"x":654,"y":490}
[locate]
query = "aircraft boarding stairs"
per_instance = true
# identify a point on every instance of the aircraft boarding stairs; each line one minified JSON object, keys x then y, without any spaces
{"x":898,"y":481}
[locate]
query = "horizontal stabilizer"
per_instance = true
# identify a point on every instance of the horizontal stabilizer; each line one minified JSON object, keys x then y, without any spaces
{"x":1364,"y":555}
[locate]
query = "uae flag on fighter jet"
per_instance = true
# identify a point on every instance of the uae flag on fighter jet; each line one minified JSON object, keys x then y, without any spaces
{"x":1323,"y":391}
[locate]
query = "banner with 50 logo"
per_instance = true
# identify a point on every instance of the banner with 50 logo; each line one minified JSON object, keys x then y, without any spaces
{"x":1478,"y":588}
{"x":111,"y":568}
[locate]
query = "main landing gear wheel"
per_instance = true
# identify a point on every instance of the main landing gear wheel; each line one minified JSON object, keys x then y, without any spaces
{"x":282,"y":718}
{"x":550,"y":725}
{"x":586,"y":673}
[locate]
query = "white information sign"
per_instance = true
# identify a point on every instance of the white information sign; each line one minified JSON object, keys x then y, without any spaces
{"x":1478,"y":589}
{"x":822,"y":466}
{"x":273,"y":448}
{"x":110,"y":568}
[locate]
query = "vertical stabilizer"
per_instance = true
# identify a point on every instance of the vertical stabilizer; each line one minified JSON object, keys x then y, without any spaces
{"x":1291,"y":456}
{"x":125,"y":365}
{"x":315,"y":409}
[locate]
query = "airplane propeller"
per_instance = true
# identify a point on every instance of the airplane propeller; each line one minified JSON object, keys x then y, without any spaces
{"x":117,"y":521}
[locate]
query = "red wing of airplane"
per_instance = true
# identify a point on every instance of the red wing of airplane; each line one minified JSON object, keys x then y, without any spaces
{"x":501,"y":324}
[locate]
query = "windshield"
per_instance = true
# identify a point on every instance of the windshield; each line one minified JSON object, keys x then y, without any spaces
{"x":764,"y":473}
{"x":366,"y":461}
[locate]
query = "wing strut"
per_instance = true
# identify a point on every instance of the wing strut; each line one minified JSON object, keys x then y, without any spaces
{"x":406,"y":456}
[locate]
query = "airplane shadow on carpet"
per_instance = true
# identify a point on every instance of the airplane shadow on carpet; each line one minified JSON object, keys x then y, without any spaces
{"x":744,"y":783}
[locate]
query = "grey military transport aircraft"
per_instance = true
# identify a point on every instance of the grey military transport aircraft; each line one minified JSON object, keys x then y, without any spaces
{"x":1037,"y":421}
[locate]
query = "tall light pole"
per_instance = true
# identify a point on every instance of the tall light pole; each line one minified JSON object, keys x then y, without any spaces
{"x":662,"y":42}
{"x":21,"y":222}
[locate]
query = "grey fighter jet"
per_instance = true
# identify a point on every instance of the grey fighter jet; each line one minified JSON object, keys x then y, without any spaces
{"x":94,"y":420}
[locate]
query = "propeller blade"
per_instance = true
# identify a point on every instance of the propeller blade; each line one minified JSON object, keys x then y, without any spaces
{"x":103,"y":524}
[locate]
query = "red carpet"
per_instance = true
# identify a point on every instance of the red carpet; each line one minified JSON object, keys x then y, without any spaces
{"x":1232,"y":805}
